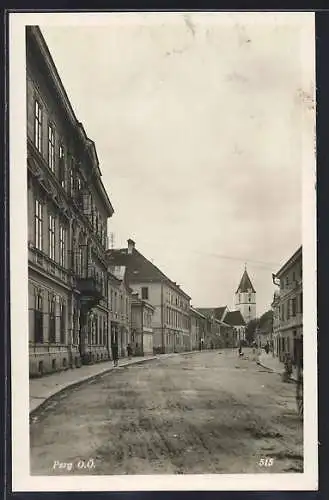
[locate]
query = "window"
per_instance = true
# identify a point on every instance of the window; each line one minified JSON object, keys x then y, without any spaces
{"x":94,"y":330}
{"x":111,"y":300}
{"x":38,"y":317}
{"x":38,"y":224}
{"x":52,"y":319}
{"x":100,"y":340}
{"x":62,"y":238}
{"x":294,"y":306}
{"x":38,"y":125}
{"x":71,"y":179}
{"x":52,"y":237}
{"x":287,"y":281}
{"x":145,"y":293}
{"x":61,"y":166}
{"x":51,"y":147}
{"x":62,"y":322}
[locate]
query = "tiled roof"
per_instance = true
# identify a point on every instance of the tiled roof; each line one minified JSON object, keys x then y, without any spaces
{"x":139,"y":268}
{"x":217,"y":312}
{"x":234,"y":318}
{"x":245,"y":283}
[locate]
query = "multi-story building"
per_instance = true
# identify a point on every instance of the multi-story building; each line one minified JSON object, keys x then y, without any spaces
{"x":245,"y":298}
{"x":68,"y":210}
{"x":197,"y":328}
{"x":215,"y":330}
{"x":141,"y":326}
{"x":171,"y":304}
{"x":288,"y":307}
{"x":119,"y":295}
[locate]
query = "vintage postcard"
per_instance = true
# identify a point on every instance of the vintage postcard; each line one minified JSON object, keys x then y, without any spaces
{"x":163,"y":251}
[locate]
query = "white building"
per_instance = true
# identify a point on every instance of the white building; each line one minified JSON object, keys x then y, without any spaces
{"x":245,"y":298}
{"x":171,"y":321}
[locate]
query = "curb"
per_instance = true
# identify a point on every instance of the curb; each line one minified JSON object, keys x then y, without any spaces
{"x":89,"y":378}
{"x":271,"y":370}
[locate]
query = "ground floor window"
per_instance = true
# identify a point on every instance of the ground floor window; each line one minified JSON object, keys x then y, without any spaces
{"x":62,"y":311}
{"x":52,"y":318}
{"x":38,"y":317}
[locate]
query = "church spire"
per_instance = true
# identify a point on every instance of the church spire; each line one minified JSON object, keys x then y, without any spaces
{"x":245,"y":283}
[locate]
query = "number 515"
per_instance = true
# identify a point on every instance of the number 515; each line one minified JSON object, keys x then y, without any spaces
{"x":266,"y":462}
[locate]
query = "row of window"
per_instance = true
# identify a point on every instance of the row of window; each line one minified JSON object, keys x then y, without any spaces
{"x":290,"y":308}
{"x":50,"y":313}
{"x":73,"y":184}
{"x":97,"y":330}
{"x":291,"y":278}
{"x":174,"y":298}
{"x":118,"y":303}
{"x":57,"y":233}
{"x":176,"y":319}
{"x":46,"y":317}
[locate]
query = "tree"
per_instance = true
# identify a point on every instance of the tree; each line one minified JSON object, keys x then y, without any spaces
{"x":251,"y":330}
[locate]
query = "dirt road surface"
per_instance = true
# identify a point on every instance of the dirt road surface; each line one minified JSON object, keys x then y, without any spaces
{"x":199,"y":413}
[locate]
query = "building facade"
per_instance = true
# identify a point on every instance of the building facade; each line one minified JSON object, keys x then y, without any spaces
{"x":245,"y":298}
{"x":119,"y":300}
{"x":287,"y":307}
{"x":215,"y":330}
{"x":171,"y":330}
{"x":238,"y":324}
{"x":197,"y":328}
{"x":68,"y":210}
{"x":141,"y":326}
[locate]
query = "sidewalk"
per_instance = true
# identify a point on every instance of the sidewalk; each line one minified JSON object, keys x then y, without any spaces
{"x":43,"y":388}
{"x":273,"y":364}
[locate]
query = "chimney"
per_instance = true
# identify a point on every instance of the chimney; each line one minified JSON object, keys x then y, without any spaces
{"x":131,"y":245}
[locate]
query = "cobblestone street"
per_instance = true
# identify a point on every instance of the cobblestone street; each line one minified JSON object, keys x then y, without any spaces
{"x":206,"y":412}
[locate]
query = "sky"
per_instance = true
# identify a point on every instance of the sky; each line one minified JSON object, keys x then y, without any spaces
{"x":198,"y":122}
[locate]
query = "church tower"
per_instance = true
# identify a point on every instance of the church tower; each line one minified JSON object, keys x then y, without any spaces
{"x":245,"y":298}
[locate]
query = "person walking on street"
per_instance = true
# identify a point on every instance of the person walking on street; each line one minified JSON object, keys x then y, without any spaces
{"x":129,"y":351}
{"x":115,"y":354}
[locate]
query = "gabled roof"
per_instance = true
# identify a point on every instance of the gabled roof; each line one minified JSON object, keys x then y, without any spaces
{"x":234,"y":318}
{"x":245,"y":284}
{"x":216,"y":312}
{"x":140,"y":269}
{"x":196,"y":312}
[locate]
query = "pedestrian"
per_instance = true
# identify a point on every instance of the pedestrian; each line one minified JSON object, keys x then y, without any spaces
{"x":240,"y":349}
{"x":267,"y":348}
{"x":115,"y":354}
{"x":129,"y":351}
